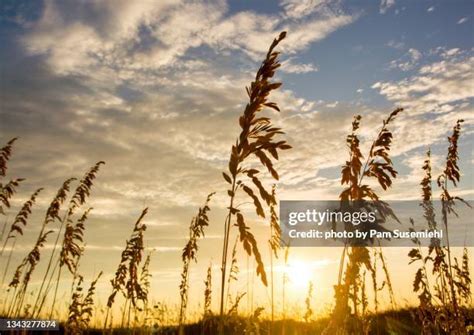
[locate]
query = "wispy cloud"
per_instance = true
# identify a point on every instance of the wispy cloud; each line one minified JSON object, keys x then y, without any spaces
{"x":436,"y":86}
{"x":332,"y":104}
{"x":441,"y":92}
{"x":290,"y":66}
{"x":133,"y":37}
{"x":408,"y":61}
{"x":385,"y":5}
{"x":297,"y":9}
{"x":396,"y":44}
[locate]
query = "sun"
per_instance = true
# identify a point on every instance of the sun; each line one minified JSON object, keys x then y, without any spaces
{"x":299,"y":274}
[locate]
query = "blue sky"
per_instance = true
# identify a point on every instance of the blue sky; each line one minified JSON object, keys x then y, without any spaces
{"x":155,"y":88}
{"x":358,"y":55}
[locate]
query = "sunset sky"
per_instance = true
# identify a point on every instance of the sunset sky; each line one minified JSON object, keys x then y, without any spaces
{"x":155,"y":88}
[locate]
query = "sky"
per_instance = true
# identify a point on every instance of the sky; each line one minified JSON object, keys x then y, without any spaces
{"x":155,"y":88}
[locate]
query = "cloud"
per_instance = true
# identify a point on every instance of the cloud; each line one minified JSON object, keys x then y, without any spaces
{"x":441,"y":92}
{"x":396,"y":44}
{"x":300,"y":8}
{"x":87,"y":37}
{"x":332,"y":104}
{"x":408,"y":61}
{"x":290,"y":67}
{"x":463,"y":20}
{"x":76,"y":36}
{"x":435,"y":86}
{"x":134,"y":70}
{"x":450,"y":52}
{"x":385,"y":5}
{"x":430,"y":9}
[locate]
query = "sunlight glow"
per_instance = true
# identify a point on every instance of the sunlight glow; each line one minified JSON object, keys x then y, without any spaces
{"x":299,"y":274}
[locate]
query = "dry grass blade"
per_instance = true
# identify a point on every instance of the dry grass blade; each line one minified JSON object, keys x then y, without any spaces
{"x":7,"y":192}
{"x":5,"y":154}
{"x":196,"y":231}
{"x":285,"y":280}
{"x":21,"y":219}
{"x":427,"y":179}
{"x":274,"y":242}
{"x":16,"y":228}
{"x":233,"y":310}
{"x":69,"y":246}
{"x":134,"y":255}
{"x":445,"y":310}
{"x":388,"y":280}
{"x":26,"y":268}
{"x":250,"y":246}
{"x":450,"y":173}
{"x":257,"y":137}
{"x":84,"y":188}
{"x":126,"y":278}
{"x":145,"y":276}
{"x":52,"y":214}
{"x":463,"y":282}
{"x":28,"y":264}
{"x":53,"y":210}
{"x":427,"y":193}
{"x":451,"y":170}
{"x":30,"y":261}
{"x":208,"y":292}
{"x":233,"y":271}
{"x":275,"y":230}
{"x":234,"y":267}
{"x":81,"y":308}
{"x":378,"y":166}
{"x":309,"y":311}
{"x":71,"y":249}
{"x":421,"y":285}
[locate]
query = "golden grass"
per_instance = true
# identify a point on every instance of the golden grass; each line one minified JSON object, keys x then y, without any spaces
{"x":442,"y":282}
{"x":196,"y":231}
{"x":257,"y":137}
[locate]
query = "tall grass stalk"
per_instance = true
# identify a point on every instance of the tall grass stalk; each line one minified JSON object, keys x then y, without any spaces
{"x":79,"y":197}
{"x":126,"y":280}
{"x":196,"y":231}
{"x":309,"y":296}
{"x":16,"y":228}
{"x":285,"y":280}
{"x":9,"y":189}
{"x":378,"y":166}
{"x":274,"y":243}
{"x":22,"y":275}
{"x":71,"y":251}
{"x":256,"y":138}
{"x":444,"y":300}
{"x":452,"y":174}
{"x":208,"y":292}
{"x":233,"y":272}
{"x":145,"y":278}
{"x":81,"y":309}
